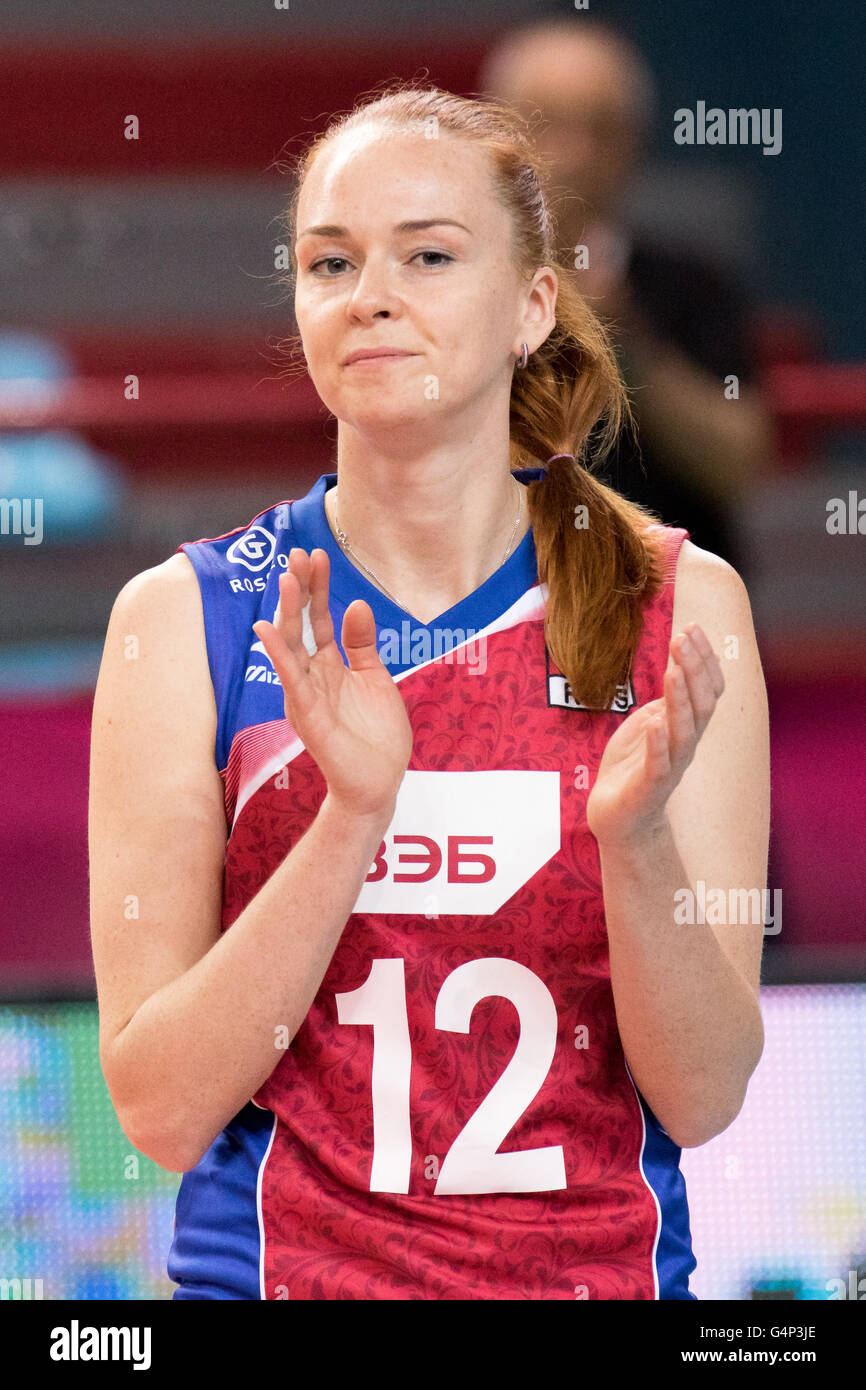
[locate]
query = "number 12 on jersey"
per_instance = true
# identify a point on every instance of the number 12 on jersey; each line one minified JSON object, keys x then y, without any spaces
{"x":472,"y":1164}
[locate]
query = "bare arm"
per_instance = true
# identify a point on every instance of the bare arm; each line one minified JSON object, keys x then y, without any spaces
{"x":686,"y":992}
{"x":188,"y":1017}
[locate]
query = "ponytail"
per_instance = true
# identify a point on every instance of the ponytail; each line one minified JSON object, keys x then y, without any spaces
{"x":596,"y":551}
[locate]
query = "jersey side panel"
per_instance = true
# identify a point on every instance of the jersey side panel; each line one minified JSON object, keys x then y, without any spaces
{"x":216,"y":1249}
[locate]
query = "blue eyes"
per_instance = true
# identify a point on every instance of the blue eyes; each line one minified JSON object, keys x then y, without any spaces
{"x":329,"y":260}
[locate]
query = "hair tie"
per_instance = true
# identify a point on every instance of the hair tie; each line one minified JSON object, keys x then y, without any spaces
{"x":561,"y":456}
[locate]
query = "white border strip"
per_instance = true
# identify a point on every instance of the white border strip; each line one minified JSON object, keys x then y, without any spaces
{"x":259,"y":1209}
{"x":648,"y":1183}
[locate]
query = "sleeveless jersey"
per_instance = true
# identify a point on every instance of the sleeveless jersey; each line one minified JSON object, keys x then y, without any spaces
{"x":455,"y":1118}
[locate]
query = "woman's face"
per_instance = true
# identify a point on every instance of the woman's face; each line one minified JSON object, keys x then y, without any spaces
{"x":446,"y":294}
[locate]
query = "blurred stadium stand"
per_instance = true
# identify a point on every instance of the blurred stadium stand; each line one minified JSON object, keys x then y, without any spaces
{"x":155,"y":258}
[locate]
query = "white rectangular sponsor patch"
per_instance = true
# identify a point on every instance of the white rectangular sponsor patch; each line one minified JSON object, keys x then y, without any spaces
{"x":463,"y":842}
{"x":559,"y":693}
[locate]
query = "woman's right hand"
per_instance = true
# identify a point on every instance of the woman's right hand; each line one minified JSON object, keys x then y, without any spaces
{"x":351,"y":719}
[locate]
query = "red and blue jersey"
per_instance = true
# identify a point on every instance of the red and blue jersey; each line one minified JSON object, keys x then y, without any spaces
{"x":455,"y":1117}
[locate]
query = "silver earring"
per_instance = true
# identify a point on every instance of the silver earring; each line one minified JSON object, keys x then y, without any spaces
{"x":524,"y":358}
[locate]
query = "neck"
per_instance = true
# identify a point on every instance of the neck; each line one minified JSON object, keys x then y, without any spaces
{"x":432,"y":527}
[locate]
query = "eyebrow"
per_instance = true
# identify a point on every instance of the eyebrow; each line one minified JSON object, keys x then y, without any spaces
{"x":419,"y":225}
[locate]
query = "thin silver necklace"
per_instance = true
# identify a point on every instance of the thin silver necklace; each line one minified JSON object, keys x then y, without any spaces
{"x":344,"y":542}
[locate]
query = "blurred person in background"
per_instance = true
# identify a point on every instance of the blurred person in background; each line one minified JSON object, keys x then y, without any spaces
{"x":678,"y":321}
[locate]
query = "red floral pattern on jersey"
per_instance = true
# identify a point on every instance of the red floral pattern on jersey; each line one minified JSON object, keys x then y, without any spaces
{"x":327,"y":1236}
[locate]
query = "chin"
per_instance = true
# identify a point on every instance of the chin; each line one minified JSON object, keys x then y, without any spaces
{"x":378,"y":412}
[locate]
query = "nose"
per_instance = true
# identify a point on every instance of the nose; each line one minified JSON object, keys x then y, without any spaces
{"x":374,"y":292}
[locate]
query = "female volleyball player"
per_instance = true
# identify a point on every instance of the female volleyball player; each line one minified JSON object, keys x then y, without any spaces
{"x":402,"y":944}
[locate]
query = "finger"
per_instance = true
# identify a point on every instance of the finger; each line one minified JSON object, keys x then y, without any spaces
{"x":702,"y":645}
{"x":294,"y":676}
{"x":320,"y":609}
{"x":652,"y":707}
{"x":295,"y":567}
{"x":641,"y":717}
{"x":698,"y":676}
{"x":680,"y":718}
{"x":359,"y":636}
{"x":702,"y":642}
{"x":299,"y":566}
{"x":288,"y":619}
{"x":657,"y":762}
{"x":316,"y":628}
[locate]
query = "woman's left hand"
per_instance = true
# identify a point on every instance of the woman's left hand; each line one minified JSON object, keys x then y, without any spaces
{"x":646,"y":757}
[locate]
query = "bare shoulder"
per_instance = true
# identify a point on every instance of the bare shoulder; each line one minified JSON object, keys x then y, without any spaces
{"x":155,"y":674}
{"x":708,"y":591}
{"x":158,"y":615}
{"x":171,"y":583}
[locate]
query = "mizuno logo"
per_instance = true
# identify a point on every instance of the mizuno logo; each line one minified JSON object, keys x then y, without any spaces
{"x":258,"y":671}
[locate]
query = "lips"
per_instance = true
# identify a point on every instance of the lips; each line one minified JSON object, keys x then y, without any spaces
{"x":374,"y":354}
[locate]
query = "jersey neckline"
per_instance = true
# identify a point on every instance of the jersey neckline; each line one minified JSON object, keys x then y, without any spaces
{"x":509,"y":582}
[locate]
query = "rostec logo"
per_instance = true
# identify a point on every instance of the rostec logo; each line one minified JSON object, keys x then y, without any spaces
{"x":254,"y":549}
{"x":467,"y":841}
